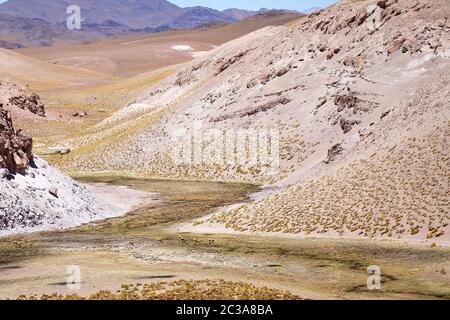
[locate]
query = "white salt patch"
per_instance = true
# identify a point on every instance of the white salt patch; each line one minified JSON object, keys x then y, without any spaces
{"x":182,"y":47}
{"x":27,"y":203}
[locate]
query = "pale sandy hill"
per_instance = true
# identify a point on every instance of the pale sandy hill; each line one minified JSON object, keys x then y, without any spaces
{"x":359,"y":93}
{"x":39,"y":75}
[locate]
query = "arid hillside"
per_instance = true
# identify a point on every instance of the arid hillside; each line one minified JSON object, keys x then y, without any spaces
{"x":42,"y":76}
{"x":101,"y":77}
{"x":23,"y":76}
{"x":359,"y":95}
{"x":95,"y":80}
{"x":131,"y":55}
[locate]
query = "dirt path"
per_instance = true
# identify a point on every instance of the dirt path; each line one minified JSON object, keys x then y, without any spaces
{"x":143,"y":248}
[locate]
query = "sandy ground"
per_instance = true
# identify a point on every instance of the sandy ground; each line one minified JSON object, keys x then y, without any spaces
{"x":123,"y":197}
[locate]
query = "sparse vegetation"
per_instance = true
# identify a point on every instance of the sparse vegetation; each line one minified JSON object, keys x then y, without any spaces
{"x":402,"y":190}
{"x":180,"y":290}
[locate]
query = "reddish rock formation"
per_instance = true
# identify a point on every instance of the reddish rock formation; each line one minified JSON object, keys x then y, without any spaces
{"x":15,"y":147}
{"x":16,"y":96}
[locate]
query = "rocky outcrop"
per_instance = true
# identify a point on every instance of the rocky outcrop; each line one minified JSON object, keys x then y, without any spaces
{"x":30,"y":102}
{"x":333,"y":153}
{"x":35,"y":196}
{"x":253,"y":111}
{"x":224,"y":65}
{"x":15,"y":147}
{"x":347,"y":125}
{"x":346,"y":101}
{"x":14,"y":96}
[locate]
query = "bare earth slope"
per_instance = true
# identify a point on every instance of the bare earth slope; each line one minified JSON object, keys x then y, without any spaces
{"x":359,"y":93}
{"x":39,"y":75}
{"x":134,"y":54}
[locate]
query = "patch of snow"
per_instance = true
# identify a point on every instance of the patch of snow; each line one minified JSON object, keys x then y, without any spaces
{"x":182,"y":47}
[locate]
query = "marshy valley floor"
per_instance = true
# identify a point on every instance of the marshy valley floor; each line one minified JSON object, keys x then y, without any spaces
{"x":359,"y":95}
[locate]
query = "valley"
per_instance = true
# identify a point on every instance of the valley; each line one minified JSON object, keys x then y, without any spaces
{"x":143,"y":248}
{"x":350,"y":104}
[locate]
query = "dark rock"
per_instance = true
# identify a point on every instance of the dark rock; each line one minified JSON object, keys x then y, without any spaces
{"x":347,"y":125}
{"x":382,"y":4}
{"x":64,"y":151}
{"x":81,"y":114}
{"x":53,"y":192}
{"x":346,"y":101}
{"x":322,"y":47}
{"x":385,"y":114}
{"x":333,"y":153}
{"x":15,"y":147}
{"x":322,"y":101}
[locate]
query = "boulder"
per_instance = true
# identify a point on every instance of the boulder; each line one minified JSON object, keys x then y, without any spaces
{"x":347,"y":125}
{"x":80,"y":114}
{"x":53,"y":192}
{"x":15,"y":147}
{"x":333,"y":153}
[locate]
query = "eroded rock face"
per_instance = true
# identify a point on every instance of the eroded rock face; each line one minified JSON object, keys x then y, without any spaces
{"x":15,"y":147}
{"x":15,"y":96}
{"x":29,"y":102}
{"x":333,"y":153}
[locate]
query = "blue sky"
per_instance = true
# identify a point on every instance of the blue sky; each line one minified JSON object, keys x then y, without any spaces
{"x":251,"y":4}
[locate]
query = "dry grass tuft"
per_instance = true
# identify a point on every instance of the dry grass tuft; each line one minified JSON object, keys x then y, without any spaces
{"x":181,"y":290}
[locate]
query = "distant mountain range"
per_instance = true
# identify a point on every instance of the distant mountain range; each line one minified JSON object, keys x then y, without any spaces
{"x":42,"y":22}
{"x":240,"y":14}
{"x":134,"y":14}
